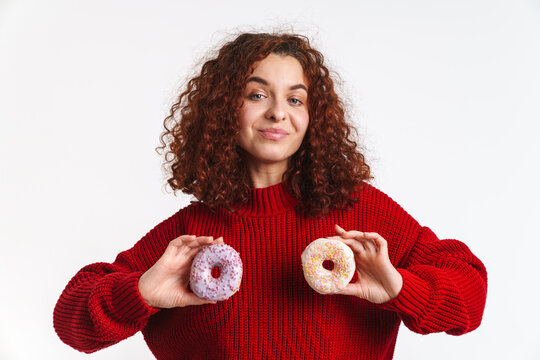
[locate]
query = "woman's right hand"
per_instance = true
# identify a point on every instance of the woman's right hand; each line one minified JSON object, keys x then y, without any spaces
{"x":165,"y":284}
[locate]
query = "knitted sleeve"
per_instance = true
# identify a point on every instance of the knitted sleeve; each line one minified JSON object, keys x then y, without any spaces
{"x":444,"y":287}
{"x":444,"y":283}
{"x":101,"y":305}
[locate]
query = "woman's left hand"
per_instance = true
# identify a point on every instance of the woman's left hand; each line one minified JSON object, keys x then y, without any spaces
{"x":378,"y":280}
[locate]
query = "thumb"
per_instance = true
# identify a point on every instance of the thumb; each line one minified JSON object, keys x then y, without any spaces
{"x":350,"y":289}
{"x":192,"y":299}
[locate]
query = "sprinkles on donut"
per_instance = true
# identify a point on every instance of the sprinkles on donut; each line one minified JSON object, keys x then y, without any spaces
{"x":320,"y":279}
{"x":204,"y":285}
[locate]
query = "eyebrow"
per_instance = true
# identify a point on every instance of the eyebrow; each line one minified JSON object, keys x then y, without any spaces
{"x":264,"y":82}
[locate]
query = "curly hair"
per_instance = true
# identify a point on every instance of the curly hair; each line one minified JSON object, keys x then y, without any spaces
{"x":200,"y":132}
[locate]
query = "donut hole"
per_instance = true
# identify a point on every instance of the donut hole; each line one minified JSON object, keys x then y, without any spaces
{"x":328,"y":265}
{"x":216,"y":272}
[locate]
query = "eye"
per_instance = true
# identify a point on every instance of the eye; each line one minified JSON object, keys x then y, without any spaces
{"x":256,"y":96}
{"x":296,"y":101}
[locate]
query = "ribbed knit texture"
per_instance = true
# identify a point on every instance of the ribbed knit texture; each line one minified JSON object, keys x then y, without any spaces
{"x":275,"y":314}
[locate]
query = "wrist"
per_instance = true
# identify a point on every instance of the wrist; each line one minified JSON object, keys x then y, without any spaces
{"x":398,"y":285}
{"x":143,"y":289}
{"x":393,"y":282}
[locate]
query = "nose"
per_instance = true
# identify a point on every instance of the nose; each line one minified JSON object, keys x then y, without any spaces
{"x":276,"y":111}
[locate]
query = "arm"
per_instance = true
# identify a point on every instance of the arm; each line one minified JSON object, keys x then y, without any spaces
{"x":106,"y":303}
{"x":444,"y":287}
{"x":101,"y":305}
{"x":433,"y":285}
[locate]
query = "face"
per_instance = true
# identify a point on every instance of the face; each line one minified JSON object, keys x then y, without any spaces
{"x":274,"y":117}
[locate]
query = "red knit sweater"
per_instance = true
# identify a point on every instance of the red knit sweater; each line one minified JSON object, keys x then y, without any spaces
{"x":275,"y":314}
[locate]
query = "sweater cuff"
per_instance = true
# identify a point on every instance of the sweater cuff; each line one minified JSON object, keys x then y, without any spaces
{"x":412,"y":298}
{"x":127,"y":300}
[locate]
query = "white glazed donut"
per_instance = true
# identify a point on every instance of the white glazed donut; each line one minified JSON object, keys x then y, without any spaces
{"x":204,"y":285}
{"x":320,"y":279}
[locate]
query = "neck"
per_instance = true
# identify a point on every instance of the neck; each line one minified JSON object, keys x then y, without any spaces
{"x":266,"y":174}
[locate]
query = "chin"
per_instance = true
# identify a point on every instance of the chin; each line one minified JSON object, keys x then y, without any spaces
{"x":267,"y":159}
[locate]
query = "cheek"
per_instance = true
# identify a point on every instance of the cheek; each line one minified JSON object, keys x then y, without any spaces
{"x":245,"y":126}
{"x":241,"y":118}
{"x":246,"y":116}
{"x":303,"y":124}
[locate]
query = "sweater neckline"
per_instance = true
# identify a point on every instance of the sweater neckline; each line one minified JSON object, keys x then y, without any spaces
{"x":268,"y":201}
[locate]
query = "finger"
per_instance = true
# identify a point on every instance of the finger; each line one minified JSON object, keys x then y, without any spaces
{"x":191,"y":241}
{"x":219,"y":240}
{"x":339,"y":229}
{"x":191,"y":252}
{"x":182,"y":245}
{"x":176,"y":245}
{"x":204,"y":241}
{"x":350,"y":289}
{"x":192,"y":299}
{"x":356,"y":246}
{"x":342,"y":231}
{"x":348,"y":234}
{"x":369,"y":245}
{"x":180,"y":241}
{"x":353,"y":234}
{"x":374,"y":238}
{"x":378,"y":240}
{"x":195,"y":249}
{"x":201,"y":240}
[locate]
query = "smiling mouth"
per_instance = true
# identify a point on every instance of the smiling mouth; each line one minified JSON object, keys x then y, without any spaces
{"x":272,"y":135}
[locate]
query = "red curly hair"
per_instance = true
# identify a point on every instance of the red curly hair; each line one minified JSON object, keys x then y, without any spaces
{"x":200,"y":132}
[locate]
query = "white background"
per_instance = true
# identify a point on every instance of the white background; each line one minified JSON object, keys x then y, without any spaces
{"x":445,"y":94}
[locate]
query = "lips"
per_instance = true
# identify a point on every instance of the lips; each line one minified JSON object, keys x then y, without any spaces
{"x":273,"y":133}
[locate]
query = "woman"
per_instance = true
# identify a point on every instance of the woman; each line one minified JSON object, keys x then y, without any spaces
{"x":261,"y":140}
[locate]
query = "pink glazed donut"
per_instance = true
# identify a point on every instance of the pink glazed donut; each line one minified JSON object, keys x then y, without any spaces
{"x":204,"y":285}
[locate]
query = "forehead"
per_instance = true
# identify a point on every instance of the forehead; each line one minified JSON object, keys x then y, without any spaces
{"x":279,"y":68}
